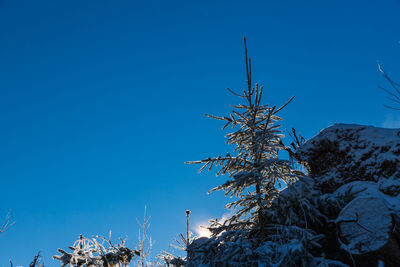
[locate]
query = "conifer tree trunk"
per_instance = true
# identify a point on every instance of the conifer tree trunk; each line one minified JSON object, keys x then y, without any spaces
{"x":260,"y":214}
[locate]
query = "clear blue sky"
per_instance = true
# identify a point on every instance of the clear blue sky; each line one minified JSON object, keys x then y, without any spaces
{"x":101,"y":102}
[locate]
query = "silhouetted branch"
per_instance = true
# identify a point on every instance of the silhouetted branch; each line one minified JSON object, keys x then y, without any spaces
{"x":394,"y":93}
{"x":7,"y":223}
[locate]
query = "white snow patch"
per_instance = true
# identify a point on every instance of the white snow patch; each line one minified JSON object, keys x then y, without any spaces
{"x":366,"y":188}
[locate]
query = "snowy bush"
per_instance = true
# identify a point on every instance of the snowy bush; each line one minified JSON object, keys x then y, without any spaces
{"x":96,"y":252}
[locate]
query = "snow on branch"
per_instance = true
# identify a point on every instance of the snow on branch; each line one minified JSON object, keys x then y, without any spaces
{"x":96,"y":252}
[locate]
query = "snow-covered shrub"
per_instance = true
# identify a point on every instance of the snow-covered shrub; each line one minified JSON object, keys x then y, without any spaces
{"x":96,"y":252}
{"x":297,"y":205}
{"x":283,"y":246}
{"x":171,"y":260}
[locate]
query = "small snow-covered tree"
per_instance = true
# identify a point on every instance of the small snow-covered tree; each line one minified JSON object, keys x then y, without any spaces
{"x":96,"y":252}
{"x":255,"y":169}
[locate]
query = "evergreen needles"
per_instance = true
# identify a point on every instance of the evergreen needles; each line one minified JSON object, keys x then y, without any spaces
{"x":255,"y":169}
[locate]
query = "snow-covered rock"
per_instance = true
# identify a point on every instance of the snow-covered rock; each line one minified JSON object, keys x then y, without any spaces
{"x":347,"y":213}
{"x":347,"y":152}
{"x":365,"y":225}
{"x":369,"y":189}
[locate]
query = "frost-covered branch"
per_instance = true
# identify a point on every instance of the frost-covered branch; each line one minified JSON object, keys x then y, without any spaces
{"x":145,"y":242}
{"x":96,"y":252}
{"x":6,"y":224}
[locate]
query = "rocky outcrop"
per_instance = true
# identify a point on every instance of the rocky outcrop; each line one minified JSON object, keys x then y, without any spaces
{"x":346,"y":152}
{"x":345,"y":213}
{"x":364,"y":162}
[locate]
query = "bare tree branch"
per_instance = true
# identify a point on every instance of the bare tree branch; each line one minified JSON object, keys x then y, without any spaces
{"x":7,"y":223}
{"x":393,"y":92}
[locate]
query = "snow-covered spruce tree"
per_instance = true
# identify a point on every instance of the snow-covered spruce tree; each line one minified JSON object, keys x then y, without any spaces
{"x":255,"y":169}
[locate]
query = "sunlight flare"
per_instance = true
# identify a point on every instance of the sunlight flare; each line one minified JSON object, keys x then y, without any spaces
{"x":201,"y":231}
